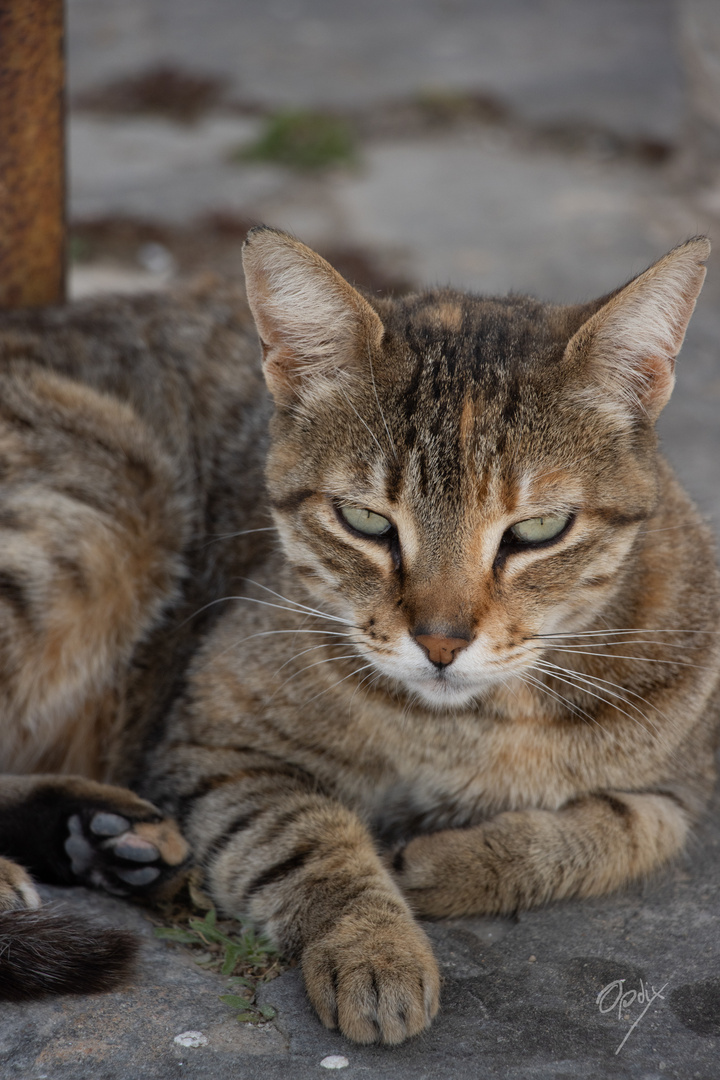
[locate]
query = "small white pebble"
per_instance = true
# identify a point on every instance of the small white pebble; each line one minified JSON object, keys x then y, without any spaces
{"x":334,"y":1061}
{"x":191,"y":1038}
{"x":532,"y":959}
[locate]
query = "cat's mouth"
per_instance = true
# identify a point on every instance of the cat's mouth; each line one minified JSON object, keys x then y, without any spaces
{"x":444,"y":689}
{"x":452,"y":686}
{"x":440,"y":688}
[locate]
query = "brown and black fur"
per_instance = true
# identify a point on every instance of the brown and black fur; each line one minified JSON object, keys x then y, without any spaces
{"x":444,"y":719}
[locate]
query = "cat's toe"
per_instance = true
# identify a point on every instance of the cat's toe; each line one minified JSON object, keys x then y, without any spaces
{"x":79,"y":850}
{"x":104,"y":824}
{"x":144,"y":875}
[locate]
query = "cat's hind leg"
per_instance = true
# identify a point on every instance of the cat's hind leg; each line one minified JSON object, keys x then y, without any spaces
{"x":69,"y":830}
{"x":92,"y":525}
{"x":74,"y":831}
{"x":48,"y":952}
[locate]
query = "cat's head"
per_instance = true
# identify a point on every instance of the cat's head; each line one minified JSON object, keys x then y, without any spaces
{"x":455,"y":475}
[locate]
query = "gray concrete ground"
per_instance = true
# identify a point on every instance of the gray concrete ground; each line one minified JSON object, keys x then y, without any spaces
{"x":531,"y":203}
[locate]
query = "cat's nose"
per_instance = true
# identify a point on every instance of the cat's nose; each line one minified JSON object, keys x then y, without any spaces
{"x":441,"y":650}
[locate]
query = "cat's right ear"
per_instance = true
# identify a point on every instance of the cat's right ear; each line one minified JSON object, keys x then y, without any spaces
{"x":315,"y":329}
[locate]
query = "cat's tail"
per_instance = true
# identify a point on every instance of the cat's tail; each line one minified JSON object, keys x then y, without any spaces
{"x":51,"y":952}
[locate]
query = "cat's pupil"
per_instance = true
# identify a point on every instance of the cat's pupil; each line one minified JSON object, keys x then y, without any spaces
{"x":365,"y":521}
{"x":538,"y":529}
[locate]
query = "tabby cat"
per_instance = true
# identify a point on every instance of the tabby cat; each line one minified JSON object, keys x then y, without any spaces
{"x":457,"y":654}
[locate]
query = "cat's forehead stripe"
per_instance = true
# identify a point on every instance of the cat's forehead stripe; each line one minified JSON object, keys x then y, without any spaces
{"x":447,"y":316}
{"x":554,"y":484}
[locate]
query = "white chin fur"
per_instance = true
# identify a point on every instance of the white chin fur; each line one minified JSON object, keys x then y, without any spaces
{"x":442,"y":695}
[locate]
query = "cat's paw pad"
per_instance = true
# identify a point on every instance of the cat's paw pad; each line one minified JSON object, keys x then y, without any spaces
{"x":110,"y":851}
{"x":17,"y":890}
{"x":377,"y":983}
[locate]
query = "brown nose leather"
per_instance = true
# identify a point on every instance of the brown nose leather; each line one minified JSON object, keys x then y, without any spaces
{"x":441,"y":650}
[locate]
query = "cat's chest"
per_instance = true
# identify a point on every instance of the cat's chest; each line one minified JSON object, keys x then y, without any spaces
{"x":408,"y":773}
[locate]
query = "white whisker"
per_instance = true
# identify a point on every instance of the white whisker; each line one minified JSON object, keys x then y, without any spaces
{"x":666,"y":528}
{"x":594,"y":680}
{"x":366,"y":682}
{"x":382,"y":414}
{"x":303,"y":652}
{"x":339,"y":681}
{"x":363,"y":422}
{"x":297,"y":630}
{"x":300,"y":607}
{"x":627,"y":641}
{"x":525,"y":677}
{"x":634,"y":630}
{"x":578,"y":650}
{"x":265,"y":603}
{"x":308,"y":667}
{"x":577,"y":680}
{"x":231,"y":536}
{"x":575,"y":686}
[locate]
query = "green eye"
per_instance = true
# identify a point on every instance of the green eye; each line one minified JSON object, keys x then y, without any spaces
{"x":535,"y":530}
{"x":365,"y":521}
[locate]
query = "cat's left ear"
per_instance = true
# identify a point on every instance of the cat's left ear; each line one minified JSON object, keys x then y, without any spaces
{"x":627,"y":349}
{"x":313,"y":326}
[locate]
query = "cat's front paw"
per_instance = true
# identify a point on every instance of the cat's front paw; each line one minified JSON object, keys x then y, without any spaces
{"x":448,"y":874}
{"x":374,"y":976}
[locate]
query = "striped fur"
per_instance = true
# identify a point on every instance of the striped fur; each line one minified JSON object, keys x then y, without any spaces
{"x":353,"y":729}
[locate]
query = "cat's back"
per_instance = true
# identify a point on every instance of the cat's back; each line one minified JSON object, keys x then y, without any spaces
{"x":181,"y":360}
{"x":132,"y":441}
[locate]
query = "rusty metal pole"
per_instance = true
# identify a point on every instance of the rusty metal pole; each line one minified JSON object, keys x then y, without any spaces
{"x":32,"y":153}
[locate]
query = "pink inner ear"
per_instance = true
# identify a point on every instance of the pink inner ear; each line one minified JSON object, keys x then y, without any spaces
{"x":628,"y":347}
{"x":280,"y":369}
{"x":314,"y":326}
{"x":640,"y":379}
{"x":660,"y":381}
